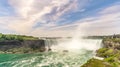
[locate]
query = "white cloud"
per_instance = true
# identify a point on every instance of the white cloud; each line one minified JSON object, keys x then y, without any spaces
{"x":49,"y":12}
{"x":28,"y":13}
{"x":22,"y":7}
{"x":106,"y":22}
{"x":112,"y":9}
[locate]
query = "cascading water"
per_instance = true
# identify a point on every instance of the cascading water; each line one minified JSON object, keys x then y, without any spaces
{"x":64,"y":53}
{"x":77,"y":45}
{"x":49,"y":43}
{"x":74,"y":52}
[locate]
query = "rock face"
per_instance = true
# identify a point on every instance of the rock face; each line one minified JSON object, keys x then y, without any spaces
{"x":32,"y":44}
{"x":6,"y":45}
{"x":112,"y":44}
{"x":110,"y":52}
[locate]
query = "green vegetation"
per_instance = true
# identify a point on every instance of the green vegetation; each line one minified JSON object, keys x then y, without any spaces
{"x":96,"y":63}
{"x":16,"y":37}
{"x":19,"y":50}
{"x":23,"y":50}
{"x":35,"y":45}
{"x":110,"y":52}
{"x":111,"y":56}
{"x":114,"y":59}
{"x":116,"y":40}
{"x":105,"y":52}
{"x":111,"y":59}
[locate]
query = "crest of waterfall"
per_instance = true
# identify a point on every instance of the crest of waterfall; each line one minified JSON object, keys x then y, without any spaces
{"x":73,"y":45}
{"x":61,"y":52}
{"x":49,"y":43}
{"x":76,"y":43}
{"x":71,"y":52}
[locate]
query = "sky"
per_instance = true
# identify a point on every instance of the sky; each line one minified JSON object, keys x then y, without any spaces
{"x":53,"y":18}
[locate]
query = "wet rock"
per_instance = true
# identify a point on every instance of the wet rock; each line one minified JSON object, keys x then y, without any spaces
{"x":110,"y":52}
{"x":21,"y":46}
{"x":65,"y":51}
{"x":49,"y":49}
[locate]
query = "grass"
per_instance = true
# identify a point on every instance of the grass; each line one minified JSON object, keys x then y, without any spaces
{"x":96,"y":63}
{"x":110,"y":54}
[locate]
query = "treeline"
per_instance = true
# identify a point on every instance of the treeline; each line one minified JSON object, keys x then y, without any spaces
{"x":104,"y":36}
{"x":16,"y":37}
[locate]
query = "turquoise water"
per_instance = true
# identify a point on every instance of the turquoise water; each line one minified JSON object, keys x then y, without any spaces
{"x":71,"y":54}
{"x":46,"y":59}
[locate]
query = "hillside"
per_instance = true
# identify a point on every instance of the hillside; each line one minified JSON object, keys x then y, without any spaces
{"x":4,"y":37}
{"x":10,"y":43}
{"x":110,"y":52}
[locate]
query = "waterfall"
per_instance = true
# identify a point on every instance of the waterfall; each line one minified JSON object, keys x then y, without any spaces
{"x":71,"y":52}
{"x":49,"y":43}
{"x":73,"y":45}
{"x":61,"y":52}
{"x":76,"y":43}
{"x":65,"y":53}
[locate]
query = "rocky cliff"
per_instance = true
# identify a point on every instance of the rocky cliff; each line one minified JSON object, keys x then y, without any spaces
{"x":25,"y":46}
{"x":110,"y":52}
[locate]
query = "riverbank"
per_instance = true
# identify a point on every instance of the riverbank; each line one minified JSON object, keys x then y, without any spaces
{"x":25,"y":46}
{"x":110,"y":52}
{"x":13,"y":44}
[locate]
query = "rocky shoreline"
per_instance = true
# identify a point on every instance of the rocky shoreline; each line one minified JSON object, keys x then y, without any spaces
{"x":25,"y":46}
{"x":11,"y":43}
{"x":110,"y":52}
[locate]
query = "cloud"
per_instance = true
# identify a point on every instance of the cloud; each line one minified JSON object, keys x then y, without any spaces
{"x":47,"y":13}
{"x":106,"y":22}
{"x":42,"y":10}
{"x":42,"y":18}
{"x":111,"y":9}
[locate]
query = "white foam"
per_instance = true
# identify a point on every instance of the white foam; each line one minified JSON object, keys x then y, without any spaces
{"x":77,"y":45}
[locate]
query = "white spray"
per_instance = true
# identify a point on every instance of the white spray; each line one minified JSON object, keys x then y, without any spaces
{"x":77,"y":43}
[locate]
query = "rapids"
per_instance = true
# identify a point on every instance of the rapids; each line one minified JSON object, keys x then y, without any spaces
{"x":64,"y":53}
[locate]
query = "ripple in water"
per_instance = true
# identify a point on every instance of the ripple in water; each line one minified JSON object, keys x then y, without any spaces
{"x":63,"y":58}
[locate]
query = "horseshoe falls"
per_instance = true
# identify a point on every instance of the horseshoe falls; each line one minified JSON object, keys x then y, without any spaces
{"x":64,"y":53}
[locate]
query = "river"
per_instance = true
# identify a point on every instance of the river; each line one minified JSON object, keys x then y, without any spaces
{"x":65,"y":54}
